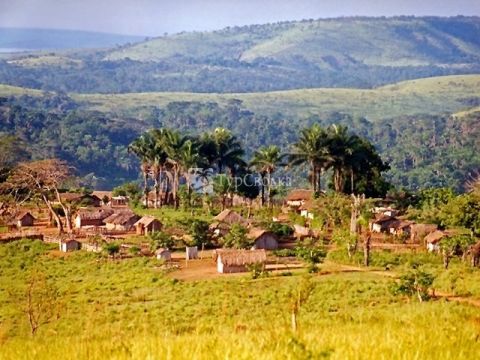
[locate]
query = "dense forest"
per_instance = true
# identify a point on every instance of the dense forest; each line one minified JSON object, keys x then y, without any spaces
{"x":344,"y":52}
{"x":421,"y":150}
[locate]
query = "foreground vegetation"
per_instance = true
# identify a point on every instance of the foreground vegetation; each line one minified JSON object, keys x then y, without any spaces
{"x":130,"y":309}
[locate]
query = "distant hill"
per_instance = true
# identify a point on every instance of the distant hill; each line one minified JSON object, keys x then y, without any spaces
{"x":327,"y":43}
{"x":335,"y":53}
{"x":18,"y":39}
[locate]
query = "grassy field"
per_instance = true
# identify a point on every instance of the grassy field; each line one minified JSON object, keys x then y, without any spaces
{"x":438,"y":95}
{"x":425,"y":96}
{"x":131,"y":309}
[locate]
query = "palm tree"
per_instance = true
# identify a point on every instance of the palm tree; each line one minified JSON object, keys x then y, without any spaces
{"x":345,"y":153}
{"x":189,"y":160}
{"x":222,"y":150}
{"x":159,"y":159}
{"x":312,"y":148}
{"x":265,"y":161}
{"x":174,"y":142}
{"x":142,"y":148}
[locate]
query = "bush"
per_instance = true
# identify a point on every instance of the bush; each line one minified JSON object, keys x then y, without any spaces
{"x":416,"y":282}
{"x":280,"y":229}
{"x":237,"y":238}
{"x":257,"y":270}
{"x":200,"y":232}
{"x":160,"y":239}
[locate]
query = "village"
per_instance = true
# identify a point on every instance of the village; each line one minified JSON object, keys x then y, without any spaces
{"x":105,"y":223}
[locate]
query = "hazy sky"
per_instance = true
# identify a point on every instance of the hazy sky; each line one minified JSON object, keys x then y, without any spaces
{"x":154,"y":17}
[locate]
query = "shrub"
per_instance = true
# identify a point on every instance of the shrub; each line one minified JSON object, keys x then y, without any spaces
{"x":237,"y":238}
{"x":160,"y":239}
{"x":280,"y":229}
{"x":414,"y":282}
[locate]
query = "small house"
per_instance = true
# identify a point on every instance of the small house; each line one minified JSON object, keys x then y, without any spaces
{"x":92,"y":217}
{"x":224,"y":220}
{"x":381,"y":223}
{"x":147,"y":225}
{"x":163,"y":254}
{"x":400,"y":227}
{"x":433,"y":240}
{"x":234,"y":261}
{"x":23,"y":219}
{"x":263,"y":239}
{"x":69,"y":245}
{"x":230,"y":217}
{"x":419,"y":231}
{"x":306,"y":209}
{"x":122,"y":221}
{"x":298,"y":197}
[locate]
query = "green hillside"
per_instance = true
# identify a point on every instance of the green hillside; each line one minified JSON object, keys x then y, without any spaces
{"x":425,"y":96}
{"x":332,"y":53}
{"x":329,"y":43}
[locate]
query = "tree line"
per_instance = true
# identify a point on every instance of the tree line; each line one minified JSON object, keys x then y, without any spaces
{"x":350,"y":161}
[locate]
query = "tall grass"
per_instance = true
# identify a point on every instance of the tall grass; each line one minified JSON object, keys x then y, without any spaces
{"x":130,"y":309}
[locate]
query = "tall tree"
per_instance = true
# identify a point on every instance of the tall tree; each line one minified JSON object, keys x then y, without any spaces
{"x":312,"y":148}
{"x":43,"y":178}
{"x":142,"y":147}
{"x":266,"y":161}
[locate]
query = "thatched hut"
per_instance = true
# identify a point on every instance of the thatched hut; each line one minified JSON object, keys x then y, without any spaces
{"x":433,"y":240}
{"x":233,"y":261}
{"x":92,"y":217}
{"x":419,"y":231}
{"x":381,"y":223}
{"x":23,"y":219}
{"x":147,"y":225}
{"x":298,"y":197}
{"x":222,"y":222}
{"x":263,"y":239}
{"x":122,"y":221}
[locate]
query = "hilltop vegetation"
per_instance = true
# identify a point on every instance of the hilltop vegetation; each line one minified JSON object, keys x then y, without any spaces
{"x":344,"y":52}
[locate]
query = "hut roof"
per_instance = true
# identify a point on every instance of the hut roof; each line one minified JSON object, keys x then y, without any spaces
{"x":380,"y":218}
{"x":121,"y":218}
{"x":255,"y":233}
{"x":146,"y":220}
{"x":77,"y":197}
{"x":300,"y":194}
{"x":230,"y":217}
{"x":98,"y":214}
{"x":102,"y":194}
{"x":231,"y":257}
{"x":400,"y":224}
{"x":22,"y":214}
{"x":435,"y":237}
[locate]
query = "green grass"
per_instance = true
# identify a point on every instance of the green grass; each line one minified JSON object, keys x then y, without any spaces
{"x":129,"y":309}
{"x":169,"y":216}
{"x":437,"y":95}
{"x":424,"y":96}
